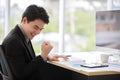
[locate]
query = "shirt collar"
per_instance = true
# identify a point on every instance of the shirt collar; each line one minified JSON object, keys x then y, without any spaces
{"x":26,"y":38}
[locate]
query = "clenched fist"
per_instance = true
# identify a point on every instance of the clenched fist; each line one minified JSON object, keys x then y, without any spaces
{"x":45,"y":48}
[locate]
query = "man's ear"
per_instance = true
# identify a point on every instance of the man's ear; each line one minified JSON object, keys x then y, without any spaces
{"x":24,"y":20}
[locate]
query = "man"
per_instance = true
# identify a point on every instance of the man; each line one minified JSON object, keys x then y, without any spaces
{"x":19,"y":51}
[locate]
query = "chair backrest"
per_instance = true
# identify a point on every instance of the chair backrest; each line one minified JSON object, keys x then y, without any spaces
{"x":4,"y":65}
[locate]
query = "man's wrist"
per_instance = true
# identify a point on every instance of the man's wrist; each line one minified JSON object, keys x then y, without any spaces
{"x":45,"y":58}
{"x":48,"y":59}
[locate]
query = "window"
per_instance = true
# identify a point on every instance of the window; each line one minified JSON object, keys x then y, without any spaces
{"x":2,"y":19}
{"x":79,"y":22}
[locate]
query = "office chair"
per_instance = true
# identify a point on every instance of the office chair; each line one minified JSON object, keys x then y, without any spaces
{"x":4,"y":65}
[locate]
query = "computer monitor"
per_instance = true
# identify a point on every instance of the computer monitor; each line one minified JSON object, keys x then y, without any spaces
{"x":108,"y":31}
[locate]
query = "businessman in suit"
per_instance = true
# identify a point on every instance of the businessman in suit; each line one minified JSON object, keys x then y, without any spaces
{"x":24,"y":64}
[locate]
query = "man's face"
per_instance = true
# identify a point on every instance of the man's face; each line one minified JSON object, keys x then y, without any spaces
{"x":32,"y":28}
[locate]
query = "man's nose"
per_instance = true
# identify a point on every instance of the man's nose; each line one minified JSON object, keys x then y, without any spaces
{"x":38,"y":31}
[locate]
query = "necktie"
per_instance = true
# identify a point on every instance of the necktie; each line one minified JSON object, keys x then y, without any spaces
{"x":31,"y":49}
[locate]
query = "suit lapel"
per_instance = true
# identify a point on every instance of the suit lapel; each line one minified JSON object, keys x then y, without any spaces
{"x":30,"y":51}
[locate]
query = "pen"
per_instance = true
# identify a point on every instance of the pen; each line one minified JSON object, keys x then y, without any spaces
{"x":83,"y":66}
{"x":68,"y":55}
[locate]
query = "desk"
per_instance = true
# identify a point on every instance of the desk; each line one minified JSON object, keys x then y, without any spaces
{"x":79,"y":73}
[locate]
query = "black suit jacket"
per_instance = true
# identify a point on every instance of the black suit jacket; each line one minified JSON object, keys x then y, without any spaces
{"x":18,"y":55}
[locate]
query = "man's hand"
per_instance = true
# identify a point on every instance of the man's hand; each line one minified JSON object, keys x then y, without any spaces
{"x":57,"y":57}
{"x":45,"y":48}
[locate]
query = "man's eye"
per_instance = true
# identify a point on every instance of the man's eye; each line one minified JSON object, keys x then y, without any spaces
{"x":41,"y":29}
{"x":36,"y":28}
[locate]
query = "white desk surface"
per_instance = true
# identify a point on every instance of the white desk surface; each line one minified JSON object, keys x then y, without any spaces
{"x":74,"y":65}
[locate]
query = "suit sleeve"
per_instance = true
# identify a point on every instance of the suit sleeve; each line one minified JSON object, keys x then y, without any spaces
{"x":17,"y":58}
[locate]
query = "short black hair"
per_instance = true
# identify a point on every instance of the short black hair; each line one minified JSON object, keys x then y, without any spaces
{"x":34,"y":12}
